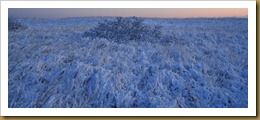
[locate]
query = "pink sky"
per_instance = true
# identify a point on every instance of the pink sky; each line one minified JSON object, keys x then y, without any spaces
{"x":139,"y":12}
{"x":203,"y":12}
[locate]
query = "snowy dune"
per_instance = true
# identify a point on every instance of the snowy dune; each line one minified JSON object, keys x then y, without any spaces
{"x":205,"y":66}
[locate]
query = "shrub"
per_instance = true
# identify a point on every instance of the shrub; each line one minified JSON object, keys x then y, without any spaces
{"x":125,"y":29}
{"x":14,"y":24}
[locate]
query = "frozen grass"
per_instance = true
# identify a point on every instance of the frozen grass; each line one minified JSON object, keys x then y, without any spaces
{"x":205,"y":65}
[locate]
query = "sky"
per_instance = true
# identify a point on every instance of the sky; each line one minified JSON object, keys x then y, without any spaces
{"x":125,"y":12}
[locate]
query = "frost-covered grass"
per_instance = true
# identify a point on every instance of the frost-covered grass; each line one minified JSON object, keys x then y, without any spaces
{"x":204,"y":65}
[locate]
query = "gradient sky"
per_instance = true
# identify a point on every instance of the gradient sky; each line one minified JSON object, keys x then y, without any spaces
{"x":139,"y":12}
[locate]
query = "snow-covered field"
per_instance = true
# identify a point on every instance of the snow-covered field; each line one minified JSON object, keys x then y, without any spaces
{"x":205,"y":65}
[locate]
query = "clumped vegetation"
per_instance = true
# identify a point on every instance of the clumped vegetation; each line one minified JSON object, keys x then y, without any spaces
{"x":15,"y":25}
{"x":204,"y":66}
{"x":123,"y":30}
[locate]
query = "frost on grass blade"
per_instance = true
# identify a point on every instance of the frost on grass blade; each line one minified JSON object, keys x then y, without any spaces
{"x":129,"y":63}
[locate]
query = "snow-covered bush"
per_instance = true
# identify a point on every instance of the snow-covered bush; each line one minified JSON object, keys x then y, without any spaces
{"x":14,"y":24}
{"x":125,"y":29}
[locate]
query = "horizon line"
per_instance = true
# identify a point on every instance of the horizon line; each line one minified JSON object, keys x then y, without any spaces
{"x":127,"y":17}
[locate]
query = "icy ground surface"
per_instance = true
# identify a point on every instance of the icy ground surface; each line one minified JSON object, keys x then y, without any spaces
{"x":205,"y":66}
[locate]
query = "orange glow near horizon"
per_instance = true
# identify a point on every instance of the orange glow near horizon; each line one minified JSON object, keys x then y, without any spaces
{"x":193,"y":12}
{"x":125,"y":12}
